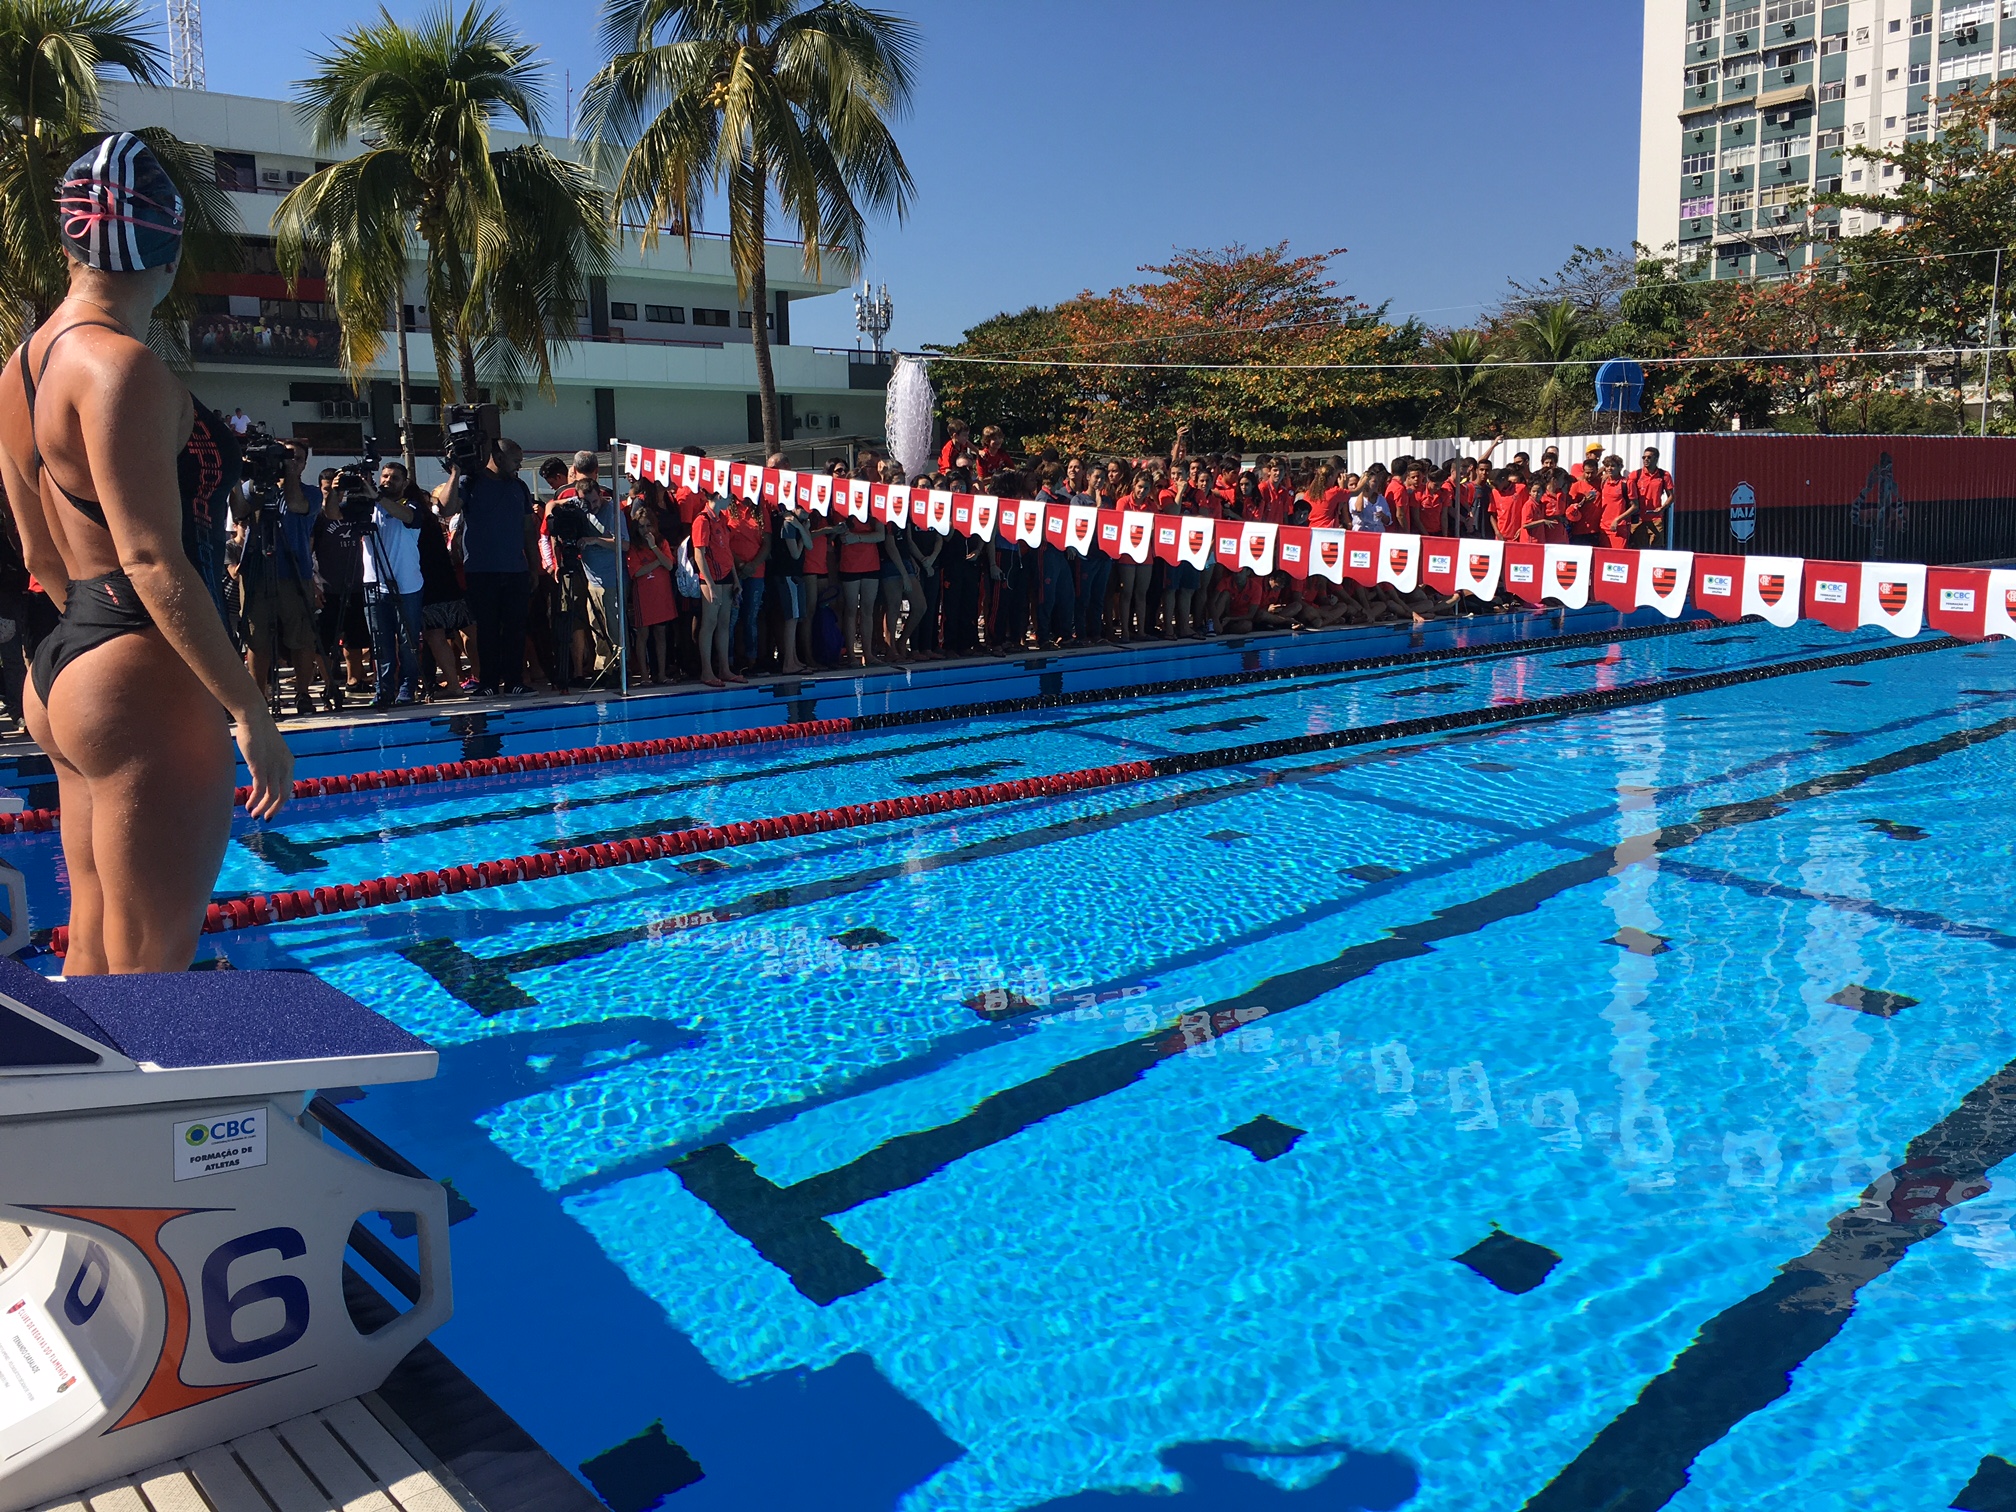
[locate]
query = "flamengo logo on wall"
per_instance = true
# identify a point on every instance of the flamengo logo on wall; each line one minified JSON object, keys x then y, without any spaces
{"x":1743,"y":512}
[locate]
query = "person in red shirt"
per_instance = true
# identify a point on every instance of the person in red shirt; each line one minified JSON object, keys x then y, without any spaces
{"x":960,"y":442}
{"x":860,"y":543}
{"x":1130,"y":613}
{"x":1237,"y":602}
{"x":1546,"y":519}
{"x":1321,"y":603}
{"x":1424,"y":506}
{"x":713,"y":551}
{"x":749,"y":535}
{"x":1652,"y":487}
{"x":1277,"y":498}
{"x":993,"y":457}
{"x":1326,"y":500}
{"x":1585,"y":512}
{"x":1510,"y":497}
{"x":1590,"y":465}
{"x":1619,"y":511}
{"x":651,"y":566}
{"x":1246,"y":502}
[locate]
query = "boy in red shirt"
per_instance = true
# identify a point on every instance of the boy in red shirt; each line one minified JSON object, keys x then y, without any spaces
{"x":1619,"y":504}
{"x":1424,"y":506}
{"x":713,"y":553}
{"x":1236,"y":604}
{"x":1652,"y":487}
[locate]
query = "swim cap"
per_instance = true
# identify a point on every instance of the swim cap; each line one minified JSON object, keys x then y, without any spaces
{"x":117,"y":210}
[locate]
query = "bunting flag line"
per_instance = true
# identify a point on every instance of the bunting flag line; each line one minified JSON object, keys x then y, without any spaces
{"x":1904,"y":598}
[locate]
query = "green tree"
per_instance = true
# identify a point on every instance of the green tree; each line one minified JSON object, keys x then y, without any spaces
{"x":54,"y":55}
{"x":1927,"y":263}
{"x":1552,"y":336}
{"x":509,"y":239}
{"x":755,"y":100}
{"x":1468,"y":378}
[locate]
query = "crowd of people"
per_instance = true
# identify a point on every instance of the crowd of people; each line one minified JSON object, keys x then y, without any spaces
{"x":367,"y":589}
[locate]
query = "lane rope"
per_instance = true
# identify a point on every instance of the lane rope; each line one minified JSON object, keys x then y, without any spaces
{"x":379,"y":892}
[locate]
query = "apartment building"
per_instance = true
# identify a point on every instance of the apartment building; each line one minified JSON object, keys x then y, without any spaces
{"x":664,"y":354}
{"x":1750,"y":106}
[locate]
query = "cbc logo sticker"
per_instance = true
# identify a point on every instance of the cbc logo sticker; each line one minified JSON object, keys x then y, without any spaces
{"x":210,"y":1146}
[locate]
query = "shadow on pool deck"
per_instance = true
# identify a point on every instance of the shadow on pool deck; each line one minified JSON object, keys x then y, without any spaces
{"x":1214,"y":1481}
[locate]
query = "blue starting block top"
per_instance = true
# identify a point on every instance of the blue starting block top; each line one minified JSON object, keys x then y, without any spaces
{"x":118,"y":1041}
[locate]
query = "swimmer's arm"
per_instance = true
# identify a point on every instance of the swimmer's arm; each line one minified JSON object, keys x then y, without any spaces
{"x":38,"y":547}
{"x":131,"y":437}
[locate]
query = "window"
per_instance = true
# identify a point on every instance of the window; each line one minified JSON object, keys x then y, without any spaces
{"x":1896,"y":26}
{"x":709,"y":317}
{"x":1861,"y":34}
{"x":1889,"y":170}
{"x":1782,"y":151}
{"x":1694,"y":209}
{"x":1835,"y":91}
{"x":1890,"y":76}
{"x":1921,"y":73}
{"x":622,"y":312}
{"x":1702,"y":31}
{"x":748,"y":323}
{"x":1697,"y":162}
{"x":1832,"y":45}
{"x":238,"y":171}
{"x":1787,"y":10}
{"x":1740,"y":21}
{"x":1967,"y":13}
{"x":1835,"y":138}
{"x":1917,"y":121}
{"x":1966,"y":66}
{"x":665,"y":314}
{"x":1789,"y":57}
{"x":2008,"y":58}
{"x":1861,"y":81}
{"x":1776,"y":194}
{"x":1735,"y":159}
{"x":1855,"y":177}
{"x":1737,"y":203}
{"x":1921,"y":26}
{"x":1889,"y":123}
{"x":1707,"y":73}
{"x":1736,"y":68}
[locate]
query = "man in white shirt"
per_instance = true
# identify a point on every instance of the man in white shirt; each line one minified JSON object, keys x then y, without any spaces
{"x":392,"y":584}
{"x":240,"y":423}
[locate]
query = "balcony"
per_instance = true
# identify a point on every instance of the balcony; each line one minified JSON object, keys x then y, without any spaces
{"x":252,"y":339}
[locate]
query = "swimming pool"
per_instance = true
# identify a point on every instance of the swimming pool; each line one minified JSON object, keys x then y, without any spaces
{"x":1025,"y":1156}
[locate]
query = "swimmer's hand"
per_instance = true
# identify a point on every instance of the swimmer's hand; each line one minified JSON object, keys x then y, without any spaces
{"x":268,"y":760}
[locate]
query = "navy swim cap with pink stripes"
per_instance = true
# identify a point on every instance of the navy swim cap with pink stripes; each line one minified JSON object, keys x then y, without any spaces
{"x":117,"y":209}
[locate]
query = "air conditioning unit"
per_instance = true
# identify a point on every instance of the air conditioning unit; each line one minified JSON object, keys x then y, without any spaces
{"x":1784,"y":167}
{"x":296,"y":176}
{"x":1791,"y":28}
{"x":1789,"y":73}
{"x":272,"y":176}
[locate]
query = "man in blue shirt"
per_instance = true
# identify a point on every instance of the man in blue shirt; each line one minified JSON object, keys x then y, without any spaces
{"x":497,"y":534}
{"x":276,"y":575}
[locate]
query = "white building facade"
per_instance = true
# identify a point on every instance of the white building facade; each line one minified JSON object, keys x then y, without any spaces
{"x":1749,"y":106}
{"x":664,"y":353}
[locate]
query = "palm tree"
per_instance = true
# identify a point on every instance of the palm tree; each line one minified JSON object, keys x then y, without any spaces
{"x":54,"y":56}
{"x":754,"y":99}
{"x":1470,"y":373}
{"x":509,"y":239}
{"x":1551,"y":336}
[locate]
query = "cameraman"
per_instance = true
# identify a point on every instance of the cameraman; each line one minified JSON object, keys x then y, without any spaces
{"x":499,"y":536}
{"x":276,"y":573}
{"x":582,"y":521}
{"x":341,"y":629}
{"x":392,"y":579}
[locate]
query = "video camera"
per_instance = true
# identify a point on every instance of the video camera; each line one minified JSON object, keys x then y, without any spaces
{"x":357,"y":495}
{"x":468,"y":432}
{"x":265,"y":458}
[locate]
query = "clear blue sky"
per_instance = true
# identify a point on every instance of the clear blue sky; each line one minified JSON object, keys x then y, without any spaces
{"x":1059,"y":144}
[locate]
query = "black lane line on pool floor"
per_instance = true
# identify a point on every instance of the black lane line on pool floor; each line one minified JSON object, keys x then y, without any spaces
{"x":1742,"y":1359}
{"x":291,"y":856}
{"x":790,"y":1227}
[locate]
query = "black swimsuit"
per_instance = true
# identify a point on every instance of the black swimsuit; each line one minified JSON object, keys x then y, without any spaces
{"x":101,"y":609}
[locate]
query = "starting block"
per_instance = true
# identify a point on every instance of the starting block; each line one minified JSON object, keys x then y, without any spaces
{"x":176,"y":1276}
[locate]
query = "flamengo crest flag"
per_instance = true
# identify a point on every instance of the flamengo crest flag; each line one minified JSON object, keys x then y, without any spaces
{"x":1478,"y":566}
{"x":1771,"y":589}
{"x":858,"y":493}
{"x":1326,"y":554}
{"x":941,"y":511}
{"x":1136,"y":535}
{"x":1893,"y":596}
{"x":1399,"y":560}
{"x":1663,"y":580}
{"x":986,"y":515}
{"x":1564,"y":575}
{"x":1082,"y":535}
{"x":1194,"y":541}
{"x":1257,"y":546}
{"x":899,"y":504}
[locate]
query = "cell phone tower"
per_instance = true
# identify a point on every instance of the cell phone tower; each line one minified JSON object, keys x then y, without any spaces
{"x":185,"y":43}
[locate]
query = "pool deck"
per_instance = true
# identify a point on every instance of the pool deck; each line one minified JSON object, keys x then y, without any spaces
{"x":466,"y":729}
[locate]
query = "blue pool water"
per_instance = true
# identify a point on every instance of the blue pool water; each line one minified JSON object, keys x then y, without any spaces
{"x":1656,"y":991}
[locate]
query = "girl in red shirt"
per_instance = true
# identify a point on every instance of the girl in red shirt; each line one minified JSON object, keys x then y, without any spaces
{"x":713,"y":552}
{"x":651,"y":568}
{"x":1509,"y":498}
{"x":860,"y":543}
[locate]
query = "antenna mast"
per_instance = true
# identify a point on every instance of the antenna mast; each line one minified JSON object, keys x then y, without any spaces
{"x":185,"y":43}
